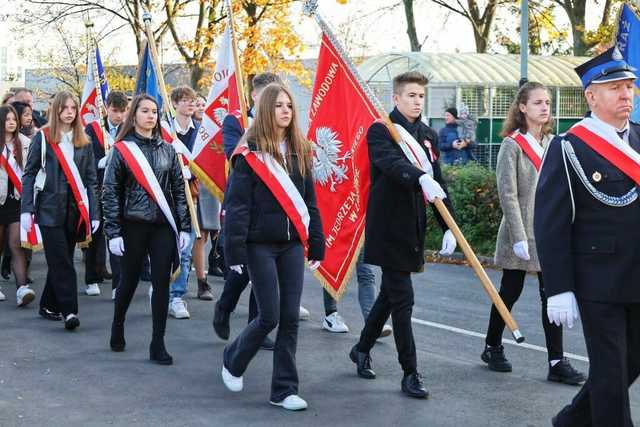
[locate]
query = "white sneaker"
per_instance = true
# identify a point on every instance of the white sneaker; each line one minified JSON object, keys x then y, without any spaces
{"x":113,"y":294}
{"x":304,"y":314}
{"x":292,"y":403}
{"x":386,"y":331}
{"x":93,"y":290}
{"x":334,"y":323}
{"x":232,"y":383}
{"x":2,"y":296}
{"x":24,"y":295}
{"x":178,"y":308}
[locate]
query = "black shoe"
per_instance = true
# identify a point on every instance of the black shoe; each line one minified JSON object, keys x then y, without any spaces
{"x":363,"y":362}
{"x":564,"y":373}
{"x":158,"y":354}
{"x":215,"y":271}
{"x":554,"y":421}
{"x":49,"y":315}
{"x":413,"y":386}
{"x":71,"y":322}
{"x":494,"y":357}
{"x":268,"y":344}
{"x":29,"y":281}
{"x":117,"y":341}
{"x":221,"y":323}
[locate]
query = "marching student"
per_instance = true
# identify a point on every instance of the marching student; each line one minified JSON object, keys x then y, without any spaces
{"x":396,"y":224}
{"x":201,"y":103}
{"x":96,"y":255}
{"x":60,"y":173}
{"x":270,"y":238}
{"x":145,"y":211}
{"x":587,"y":230}
{"x":526,"y":133}
{"x":13,"y":154}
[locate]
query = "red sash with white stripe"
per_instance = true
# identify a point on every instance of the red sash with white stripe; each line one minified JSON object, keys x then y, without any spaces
{"x":33,"y":238}
{"x":277,"y":180}
{"x":606,"y":142}
{"x":97,"y":129}
{"x":79,"y":191}
{"x":144,"y":175}
{"x":530,"y":147}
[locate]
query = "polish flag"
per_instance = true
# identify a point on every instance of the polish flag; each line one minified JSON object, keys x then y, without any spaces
{"x":88,"y":106}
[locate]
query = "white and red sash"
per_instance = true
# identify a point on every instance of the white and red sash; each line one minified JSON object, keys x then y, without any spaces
{"x":530,"y":146}
{"x":277,"y":180}
{"x":33,"y":238}
{"x":175,"y":143}
{"x":605,"y":141}
{"x":413,"y":151}
{"x":79,"y":191}
{"x":100,"y":134}
{"x":144,"y":175}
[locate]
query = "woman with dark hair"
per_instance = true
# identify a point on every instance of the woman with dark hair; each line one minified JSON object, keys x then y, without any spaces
{"x":271,"y":230}
{"x":61,"y":173}
{"x":145,"y":211}
{"x":25,"y":115}
{"x":13,"y":153}
{"x":526,"y":132}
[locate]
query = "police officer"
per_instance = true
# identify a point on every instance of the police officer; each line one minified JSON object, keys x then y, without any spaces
{"x":587,"y":227}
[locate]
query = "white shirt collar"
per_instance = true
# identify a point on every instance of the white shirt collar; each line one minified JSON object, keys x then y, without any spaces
{"x":179,"y":129}
{"x":111,"y":125}
{"x":624,"y":129}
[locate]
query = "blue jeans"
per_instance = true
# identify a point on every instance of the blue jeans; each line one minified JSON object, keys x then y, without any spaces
{"x":366,"y":289}
{"x":179,"y":286}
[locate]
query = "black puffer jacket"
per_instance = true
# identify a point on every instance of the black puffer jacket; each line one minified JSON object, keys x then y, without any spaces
{"x":123,"y":199}
{"x":253,"y":215}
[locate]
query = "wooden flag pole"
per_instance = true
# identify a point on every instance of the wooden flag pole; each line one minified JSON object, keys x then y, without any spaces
{"x":168,"y":107}
{"x":93,"y":57}
{"x":236,"y":62}
{"x":310,"y":9}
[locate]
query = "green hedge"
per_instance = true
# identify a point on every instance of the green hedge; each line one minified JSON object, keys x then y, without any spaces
{"x":474,"y":195}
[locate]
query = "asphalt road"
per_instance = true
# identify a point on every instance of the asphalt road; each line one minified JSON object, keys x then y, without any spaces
{"x":51,"y":377}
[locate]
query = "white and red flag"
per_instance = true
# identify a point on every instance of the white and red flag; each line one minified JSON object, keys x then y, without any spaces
{"x":209,"y":162}
{"x":339,"y":117}
{"x":89,"y":104}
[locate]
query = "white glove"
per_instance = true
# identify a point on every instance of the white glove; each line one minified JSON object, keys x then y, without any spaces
{"x":431,"y":188}
{"x":102,"y":163}
{"x":185,"y":239}
{"x":26,"y":221}
{"x":448,"y":243}
{"x":236,"y":268}
{"x":94,"y":226}
{"x":313,"y":265}
{"x":521,"y":249}
{"x":116,"y":246}
{"x":562,"y":309}
{"x":186,"y":173}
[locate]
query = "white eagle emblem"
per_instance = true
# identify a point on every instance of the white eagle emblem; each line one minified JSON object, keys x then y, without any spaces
{"x":328,"y":166}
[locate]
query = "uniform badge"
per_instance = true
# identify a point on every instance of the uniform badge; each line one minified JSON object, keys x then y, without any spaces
{"x":597,"y":176}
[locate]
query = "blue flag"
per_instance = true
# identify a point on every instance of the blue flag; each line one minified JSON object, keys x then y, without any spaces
{"x":628,"y":41}
{"x":104,"y":85}
{"x":148,"y":78}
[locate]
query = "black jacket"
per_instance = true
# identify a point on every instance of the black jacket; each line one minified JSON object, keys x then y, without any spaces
{"x":396,"y":213}
{"x":596,"y":254}
{"x":98,"y":150}
{"x":51,"y":206}
{"x":253,"y":215}
{"x":123,"y":199}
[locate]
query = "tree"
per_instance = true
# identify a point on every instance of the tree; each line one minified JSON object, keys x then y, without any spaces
{"x":416,"y":46}
{"x":584,"y":40}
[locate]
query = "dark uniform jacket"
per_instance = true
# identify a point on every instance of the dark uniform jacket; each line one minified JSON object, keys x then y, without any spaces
{"x":396,"y":213}
{"x":253,"y":215}
{"x":584,"y":245}
{"x":98,"y":149}
{"x":124,"y":199}
{"x":53,"y":202}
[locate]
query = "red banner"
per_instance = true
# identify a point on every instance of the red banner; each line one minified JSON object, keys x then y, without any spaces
{"x":339,"y":118}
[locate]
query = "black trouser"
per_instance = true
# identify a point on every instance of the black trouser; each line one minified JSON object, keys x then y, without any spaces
{"x":116,"y":270}
{"x":159,"y":242}
{"x":60,"y":293}
{"x":234,"y":285}
{"x":95,"y":258}
{"x":395,"y":299}
{"x":612,"y":335}
{"x":510,"y":289}
{"x":276,"y":271}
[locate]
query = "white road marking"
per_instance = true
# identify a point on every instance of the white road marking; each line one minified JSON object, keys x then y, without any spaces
{"x":504,"y":341}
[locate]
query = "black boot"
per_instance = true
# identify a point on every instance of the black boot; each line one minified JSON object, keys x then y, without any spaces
{"x":221,"y":323}
{"x":564,"y":373}
{"x":413,"y":386}
{"x":158,"y":353}
{"x":204,"y":290}
{"x":494,"y":357}
{"x":117,"y":341}
{"x":363,"y":362}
